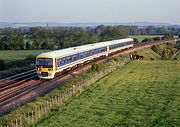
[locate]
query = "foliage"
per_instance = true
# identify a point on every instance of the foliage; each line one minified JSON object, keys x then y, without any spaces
{"x":57,"y":38}
{"x":177,"y":45}
{"x":64,"y":37}
{"x":168,"y":36}
{"x":97,"y":66}
{"x":31,"y":58}
{"x":146,"y":40}
{"x":165,"y":51}
{"x":136,"y":41}
{"x":142,"y":37}
{"x":2,"y":65}
{"x":156,"y":38}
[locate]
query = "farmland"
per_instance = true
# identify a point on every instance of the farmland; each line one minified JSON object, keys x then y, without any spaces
{"x":14,"y":61}
{"x":12,"y":55}
{"x":141,"y":37}
{"x":142,"y":93}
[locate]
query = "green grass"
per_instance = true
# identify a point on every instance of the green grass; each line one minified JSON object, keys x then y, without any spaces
{"x":15,"y":63}
{"x":141,"y":37}
{"x":12,"y":55}
{"x":148,"y":54}
{"x":142,"y":93}
{"x":178,"y":55}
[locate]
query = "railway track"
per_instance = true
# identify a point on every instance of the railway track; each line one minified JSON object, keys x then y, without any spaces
{"x":16,"y":78}
{"x":16,"y":87}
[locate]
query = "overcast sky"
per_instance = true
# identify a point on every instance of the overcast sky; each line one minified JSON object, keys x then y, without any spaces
{"x":86,"y":11}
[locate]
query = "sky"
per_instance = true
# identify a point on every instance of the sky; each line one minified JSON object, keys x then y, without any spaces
{"x":90,"y":11}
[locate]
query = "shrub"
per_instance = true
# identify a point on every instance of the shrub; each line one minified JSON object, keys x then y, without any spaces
{"x":31,"y":58}
{"x":146,"y":40}
{"x":2,"y":65}
{"x":136,"y":41}
{"x":98,"y":66}
{"x":156,"y":38}
{"x":168,"y":36}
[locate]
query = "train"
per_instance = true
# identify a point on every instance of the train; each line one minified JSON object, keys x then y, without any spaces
{"x":49,"y":64}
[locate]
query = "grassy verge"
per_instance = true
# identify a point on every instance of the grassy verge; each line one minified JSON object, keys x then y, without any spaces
{"x":143,"y":93}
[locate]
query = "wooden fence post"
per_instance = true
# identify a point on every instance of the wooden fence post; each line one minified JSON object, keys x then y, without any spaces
{"x":12,"y":123}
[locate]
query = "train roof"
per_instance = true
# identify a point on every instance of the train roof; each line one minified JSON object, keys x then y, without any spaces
{"x":72,"y":50}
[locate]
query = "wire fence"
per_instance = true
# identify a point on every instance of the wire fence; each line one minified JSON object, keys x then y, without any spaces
{"x":29,"y":118}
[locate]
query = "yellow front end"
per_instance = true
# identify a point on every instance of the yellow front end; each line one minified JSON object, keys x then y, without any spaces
{"x":45,"y":67}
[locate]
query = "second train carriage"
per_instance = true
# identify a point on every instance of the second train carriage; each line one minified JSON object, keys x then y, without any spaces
{"x":50,"y":63}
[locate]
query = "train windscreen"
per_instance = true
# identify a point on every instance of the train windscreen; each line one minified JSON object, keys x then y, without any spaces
{"x":45,"y":62}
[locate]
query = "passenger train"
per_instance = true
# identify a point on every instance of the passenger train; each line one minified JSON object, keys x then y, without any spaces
{"x":51,"y":63}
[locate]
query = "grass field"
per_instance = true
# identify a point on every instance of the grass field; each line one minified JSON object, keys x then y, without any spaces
{"x":142,"y":93}
{"x":11,"y":55}
{"x":141,"y":37}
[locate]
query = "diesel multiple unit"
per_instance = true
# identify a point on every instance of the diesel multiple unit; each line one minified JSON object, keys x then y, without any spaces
{"x":50,"y":63}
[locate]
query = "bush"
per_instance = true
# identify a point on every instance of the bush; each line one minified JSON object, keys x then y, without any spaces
{"x":2,"y":65}
{"x":177,"y":45}
{"x":156,"y":38}
{"x":31,"y":58}
{"x":136,"y":41}
{"x":168,"y":36}
{"x":98,"y":66}
{"x":146,"y":40}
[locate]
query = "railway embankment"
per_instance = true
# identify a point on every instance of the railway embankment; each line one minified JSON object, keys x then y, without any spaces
{"x":31,"y":113}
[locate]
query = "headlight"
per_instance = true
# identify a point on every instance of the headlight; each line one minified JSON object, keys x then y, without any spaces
{"x":38,"y":69}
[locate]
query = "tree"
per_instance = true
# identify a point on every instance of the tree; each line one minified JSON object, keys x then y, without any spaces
{"x":168,"y":36}
{"x":28,"y":45}
{"x":113,"y":33}
{"x":136,"y":41}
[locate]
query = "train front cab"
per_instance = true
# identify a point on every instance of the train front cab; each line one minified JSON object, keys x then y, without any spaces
{"x":45,"y":67}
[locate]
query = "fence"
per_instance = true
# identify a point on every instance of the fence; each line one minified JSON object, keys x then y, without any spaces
{"x":29,"y":118}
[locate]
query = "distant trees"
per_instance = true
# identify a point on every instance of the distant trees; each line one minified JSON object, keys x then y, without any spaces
{"x":57,"y":38}
{"x":64,"y":37}
{"x":111,"y":33}
{"x":12,"y":39}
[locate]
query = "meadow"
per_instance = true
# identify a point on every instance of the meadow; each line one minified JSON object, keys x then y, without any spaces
{"x":12,"y":55}
{"x":141,"y":37}
{"x":142,"y":93}
{"x":15,"y":63}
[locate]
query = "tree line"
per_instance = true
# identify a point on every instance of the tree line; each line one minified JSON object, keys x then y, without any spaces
{"x":64,"y":37}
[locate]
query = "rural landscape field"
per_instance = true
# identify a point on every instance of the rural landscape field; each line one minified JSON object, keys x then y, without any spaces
{"x":142,"y":93}
{"x":97,"y":63}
